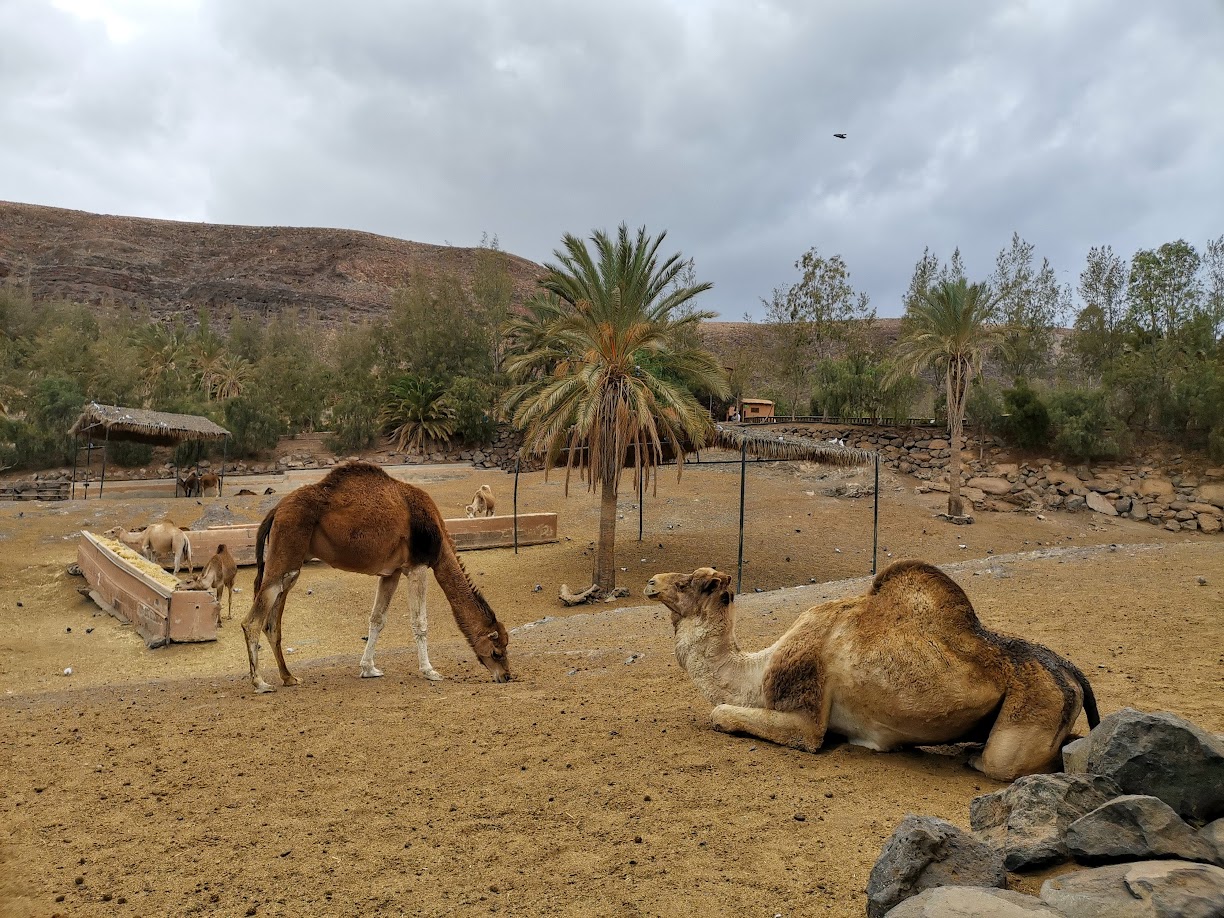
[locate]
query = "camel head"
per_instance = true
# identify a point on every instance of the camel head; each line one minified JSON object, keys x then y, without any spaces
{"x":491,"y":651}
{"x":702,"y":593}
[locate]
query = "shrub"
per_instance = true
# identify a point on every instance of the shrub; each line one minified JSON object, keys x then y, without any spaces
{"x":354,"y":424}
{"x":472,"y":402}
{"x":1027,"y":421}
{"x":1085,"y":428}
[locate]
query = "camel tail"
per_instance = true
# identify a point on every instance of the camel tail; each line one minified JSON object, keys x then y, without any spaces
{"x":261,"y":540}
{"x":1090,"y":704}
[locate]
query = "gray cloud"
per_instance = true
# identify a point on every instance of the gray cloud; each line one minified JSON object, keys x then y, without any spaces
{"x":1074,"y":124}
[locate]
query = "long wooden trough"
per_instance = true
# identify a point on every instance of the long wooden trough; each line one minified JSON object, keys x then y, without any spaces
{"x":158,"y":611}
{"x":161,"y":613}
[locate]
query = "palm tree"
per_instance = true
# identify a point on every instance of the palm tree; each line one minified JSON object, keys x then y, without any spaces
{"x":605,"y":368}
{"x":230,"y":376}
{"x":947,"y":329}
{"x":417,"y":412}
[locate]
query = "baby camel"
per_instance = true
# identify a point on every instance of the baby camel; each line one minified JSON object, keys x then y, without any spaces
{"x":907,"y":664}
{"x":482,"y":503}
{"x":154,"y":541}
{"x":218,"y":576}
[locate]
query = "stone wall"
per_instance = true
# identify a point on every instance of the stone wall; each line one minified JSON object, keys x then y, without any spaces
{"x":1178,"y":496}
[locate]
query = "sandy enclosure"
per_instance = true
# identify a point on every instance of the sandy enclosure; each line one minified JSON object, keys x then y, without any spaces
{"x":155,"y":782}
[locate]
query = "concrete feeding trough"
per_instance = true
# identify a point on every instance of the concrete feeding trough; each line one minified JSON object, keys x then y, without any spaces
{"x":239,"y":541}
{"x":139,"y":593}
{"x":498,"y":531}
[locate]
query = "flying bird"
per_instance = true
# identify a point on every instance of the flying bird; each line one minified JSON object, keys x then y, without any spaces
{"x":840,"y":136}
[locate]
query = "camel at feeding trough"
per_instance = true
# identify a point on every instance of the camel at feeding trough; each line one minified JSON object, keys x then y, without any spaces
{"x":908,"y":664}
{"x":482,"y":504}
{"x":199,"y":485}
{"x":157,"y":540}
{"x":218,"y":576}
{"x":358,"y":518}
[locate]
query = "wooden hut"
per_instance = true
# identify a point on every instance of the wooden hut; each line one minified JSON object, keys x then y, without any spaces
{"x":139,"y":425}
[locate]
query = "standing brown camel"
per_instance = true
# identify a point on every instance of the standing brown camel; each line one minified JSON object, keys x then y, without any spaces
{"x":358,"y":518}
{"x":907,"y":664}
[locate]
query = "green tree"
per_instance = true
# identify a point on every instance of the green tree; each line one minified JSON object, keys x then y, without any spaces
{"x":417,"y":413}
{"x":613,"y":371}
{"x":1164,"y":289}
{"x":436,"y":331}
{"x":1100,"y":324}
{"x":1031,"y":303}
{"x":949,"y":329}
{"x":493,"y":290}
{"x":254,"y":425}
{"x":809,"y":319}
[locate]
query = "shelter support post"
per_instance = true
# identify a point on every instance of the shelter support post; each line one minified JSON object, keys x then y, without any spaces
{"x":105,"y":450}
{"x":641,"y":493}
{"x":516,"y":479}
{"x":875,"y":519}
{"x":739,"y":576}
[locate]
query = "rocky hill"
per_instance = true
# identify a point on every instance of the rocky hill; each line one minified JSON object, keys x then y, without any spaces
{"x":175,"y":267}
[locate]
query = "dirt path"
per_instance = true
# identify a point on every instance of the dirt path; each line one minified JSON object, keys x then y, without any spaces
{"x":154,"y":782}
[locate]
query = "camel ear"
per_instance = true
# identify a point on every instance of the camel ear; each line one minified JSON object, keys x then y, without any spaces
{"x":725,"y":598}
{"x":714,"y":583}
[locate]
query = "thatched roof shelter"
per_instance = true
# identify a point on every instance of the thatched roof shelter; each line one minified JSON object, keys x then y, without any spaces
{"x":158,"y":428}
{"x":763,"y":443}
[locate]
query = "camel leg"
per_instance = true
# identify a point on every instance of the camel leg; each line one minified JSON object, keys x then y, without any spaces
{"x":420,"y":621}
{"x":1026,"y":736}
{"x":378,"y":618}
{"x":797,"y":729}
{"x":272,"y":629}
{"x":230,"y":609}
{"x":256,"y":622}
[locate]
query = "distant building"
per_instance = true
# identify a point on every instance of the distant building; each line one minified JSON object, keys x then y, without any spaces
{"x":750,"y":408}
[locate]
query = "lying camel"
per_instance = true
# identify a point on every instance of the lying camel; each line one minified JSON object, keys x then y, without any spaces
{"x":482,"y":503}
{"x":157,"y":540}
{"x":358,"y":518}
{"x":907,"y":664}
{"x":218,"y":575}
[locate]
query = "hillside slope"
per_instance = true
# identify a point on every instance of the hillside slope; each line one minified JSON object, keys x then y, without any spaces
{"x":174,"y":267}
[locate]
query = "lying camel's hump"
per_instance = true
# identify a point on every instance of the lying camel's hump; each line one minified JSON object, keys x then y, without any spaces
{"x":911,"y":594}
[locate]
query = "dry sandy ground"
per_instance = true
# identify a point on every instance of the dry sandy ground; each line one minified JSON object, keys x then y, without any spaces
{"x":154,"y":782}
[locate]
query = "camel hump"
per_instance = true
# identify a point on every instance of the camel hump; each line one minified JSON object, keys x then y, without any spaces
{"x":918,"y":584}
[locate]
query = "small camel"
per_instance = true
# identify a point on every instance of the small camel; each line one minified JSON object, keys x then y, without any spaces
{"x":908,"y":664}
{"x":154,"y":541}
{"x":217,"y":577}
{"x":358,"y":518}
{"x":482,"y":503}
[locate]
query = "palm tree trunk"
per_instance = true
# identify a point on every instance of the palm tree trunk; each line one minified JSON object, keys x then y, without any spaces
{"x":956,"y":421}
{"x":605,"y":549}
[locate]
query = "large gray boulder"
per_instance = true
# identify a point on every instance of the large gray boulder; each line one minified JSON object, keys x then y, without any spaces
{"x":1026,"y":821}
{"x":971,"y":902}
{"x":1144,"y":889}
{"x":924,"y":852}
{"x":1134,"y":828}
{"x":1213,"y":835}
{"x":1161,"y":755}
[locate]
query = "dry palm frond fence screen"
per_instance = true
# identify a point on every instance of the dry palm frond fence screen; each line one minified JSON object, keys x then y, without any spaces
{"x":139,"y":425}
{"x":765,"y":446}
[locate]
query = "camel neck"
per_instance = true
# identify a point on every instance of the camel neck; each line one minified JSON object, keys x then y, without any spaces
{"x":707,"y":649}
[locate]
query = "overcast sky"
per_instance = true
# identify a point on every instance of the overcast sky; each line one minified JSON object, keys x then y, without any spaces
{"x":1075,"y":123}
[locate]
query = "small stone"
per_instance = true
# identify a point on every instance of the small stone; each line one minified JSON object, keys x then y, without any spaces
{"x":799,"y":817}
{"x":1202,"y":581}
